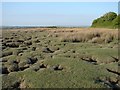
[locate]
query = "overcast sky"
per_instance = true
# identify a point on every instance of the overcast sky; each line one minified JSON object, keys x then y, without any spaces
{"x":54,"y":13}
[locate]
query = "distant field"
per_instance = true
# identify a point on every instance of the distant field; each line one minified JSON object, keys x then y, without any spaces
{"x":60,"y":58}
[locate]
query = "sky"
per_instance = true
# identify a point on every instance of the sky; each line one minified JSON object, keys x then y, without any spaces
{"x":54,"y":13}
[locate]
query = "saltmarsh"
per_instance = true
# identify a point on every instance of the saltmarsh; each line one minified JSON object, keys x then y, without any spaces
{"x":60,"y":58}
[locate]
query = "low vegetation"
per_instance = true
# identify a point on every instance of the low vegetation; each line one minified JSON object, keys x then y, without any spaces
{"x":60,"y":58}
{"x":93,"y":36}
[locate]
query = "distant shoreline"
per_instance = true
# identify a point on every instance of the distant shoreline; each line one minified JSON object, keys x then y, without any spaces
{"x":58,"y":29}
{"x":18,"y":27}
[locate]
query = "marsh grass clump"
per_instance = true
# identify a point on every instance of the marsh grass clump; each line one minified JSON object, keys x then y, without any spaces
{"x":55,"y":48}
{"x":27,"y":63}
{"x":108,"y":39}
{"x":20,"y":41}
{"x":27,"y":43}
{"x":35,"y":67}
{"x":23,"y":48}
{"x":12,"y":45}
{"x":23,"y":65}
{"x":43,"y":66}
{"x":111,"y":37}
{"x":17,"y":52}
{"x":7,"y":53}
{"x":96,"y":36}
{"x":13,"y":68}
{"x":8,"y":41}
{"x":38,"y":66}
{"x":33,"y":48}
{"x":98,"y":40}
{"x":10,"y":62}
{"x":3,"y":47}
{"x":4,"y":60}
{"x":28,"y":38}
{"x":36,"y":41}
{"x":46,"y":50}
{"x":57,"y":67}
{"x":34,"y":60}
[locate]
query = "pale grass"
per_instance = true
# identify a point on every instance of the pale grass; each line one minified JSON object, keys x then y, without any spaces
{"x":101,"y":35}
{"x":78,"y":34}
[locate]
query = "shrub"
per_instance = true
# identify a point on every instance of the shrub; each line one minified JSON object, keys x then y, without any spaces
{"x":109,"y":20}
{"x":109,"y":16}
{"x":116,"y":22}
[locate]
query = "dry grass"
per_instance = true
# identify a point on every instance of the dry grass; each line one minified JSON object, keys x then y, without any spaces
{"x":94,"y":36}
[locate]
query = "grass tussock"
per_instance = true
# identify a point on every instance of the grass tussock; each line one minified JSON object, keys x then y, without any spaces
{"x":94,"y":36}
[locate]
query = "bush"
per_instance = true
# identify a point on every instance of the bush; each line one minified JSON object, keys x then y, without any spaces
{"x":109,"y":20}
{"x":116,"y":22}
{"x":109,"y":16}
